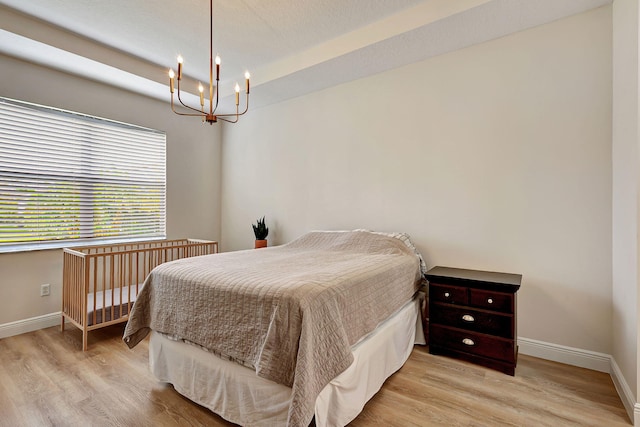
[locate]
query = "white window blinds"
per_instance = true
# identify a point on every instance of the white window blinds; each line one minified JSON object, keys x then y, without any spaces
{"x":67,"y":177}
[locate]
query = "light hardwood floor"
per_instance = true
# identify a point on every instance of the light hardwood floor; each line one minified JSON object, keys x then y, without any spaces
{"x":46,"y":380}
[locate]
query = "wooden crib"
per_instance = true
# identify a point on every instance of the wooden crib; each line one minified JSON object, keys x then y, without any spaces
{"x":100,"y":283}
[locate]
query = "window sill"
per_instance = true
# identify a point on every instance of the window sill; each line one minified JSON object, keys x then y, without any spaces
{"x":44,"y":246}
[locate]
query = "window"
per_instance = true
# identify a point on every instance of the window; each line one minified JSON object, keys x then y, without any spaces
{"x":67,"y":178}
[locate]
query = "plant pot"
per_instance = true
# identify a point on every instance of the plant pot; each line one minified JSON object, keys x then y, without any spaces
{"x":261,"y":244}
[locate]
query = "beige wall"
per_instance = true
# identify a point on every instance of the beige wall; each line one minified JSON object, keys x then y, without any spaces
{"x":493,"y":157}
{"x":626,"y":191}
{"x":193,"y":175}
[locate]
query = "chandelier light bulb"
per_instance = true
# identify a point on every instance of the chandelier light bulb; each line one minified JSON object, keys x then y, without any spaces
{"x":217,"y":67}
{"x":171,"y":83}
{"x":180,"y":60}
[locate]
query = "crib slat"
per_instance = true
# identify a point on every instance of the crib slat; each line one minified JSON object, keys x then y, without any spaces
{"x":95,"y":284}
{"x":111,"y":287}
{"x":130,"y":282}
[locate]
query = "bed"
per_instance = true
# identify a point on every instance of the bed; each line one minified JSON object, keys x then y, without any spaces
{"x":289,"y":319}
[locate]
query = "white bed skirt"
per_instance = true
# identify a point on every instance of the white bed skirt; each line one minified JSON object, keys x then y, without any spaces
{"x":238,"y":395}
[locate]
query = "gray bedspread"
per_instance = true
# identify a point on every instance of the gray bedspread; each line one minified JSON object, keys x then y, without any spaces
{"x":290,"y":312}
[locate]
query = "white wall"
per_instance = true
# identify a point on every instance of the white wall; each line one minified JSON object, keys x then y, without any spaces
{"x":493,"y":157}
{"x":626,"y":196}
{"x":193,"y":175}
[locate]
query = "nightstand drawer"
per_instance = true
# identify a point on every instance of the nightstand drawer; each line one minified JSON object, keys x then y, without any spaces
{"x":491,"y":300}
{"x":473,"y":343}
{"x":448,"y":294}
{"x":472,"y":316}
{"x":474,"y":320}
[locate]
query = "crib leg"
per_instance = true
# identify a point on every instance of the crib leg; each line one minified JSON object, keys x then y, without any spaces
{"x":62,"y":323}
{"x":84,"y":340}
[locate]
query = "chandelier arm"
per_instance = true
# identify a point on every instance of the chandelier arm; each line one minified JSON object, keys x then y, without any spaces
{"x":246,"y":107}
{"x":189,"y":114}
{"x":200,"y":113}
{"x":217,"y":96}
{"x":228,"y":115}
{"x":183,"y":104}
{"x":197,"y":114}
{"x":236,"y":113}
{"x":211,"y":94}
{"x":173,"y":108}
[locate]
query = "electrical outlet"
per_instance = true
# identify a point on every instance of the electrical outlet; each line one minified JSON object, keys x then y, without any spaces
{"x":45,"y":290}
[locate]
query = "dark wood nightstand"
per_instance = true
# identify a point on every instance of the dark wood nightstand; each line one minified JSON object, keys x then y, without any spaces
{"x":472,"y":316}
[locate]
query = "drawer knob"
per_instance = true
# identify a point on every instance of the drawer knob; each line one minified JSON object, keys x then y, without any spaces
{"x":446,"y":294}
{"x":468,"y":318}
{"x":490,"y":300}
{"x":468,"y":341}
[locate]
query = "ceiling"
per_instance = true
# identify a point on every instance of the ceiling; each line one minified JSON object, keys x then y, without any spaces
{"x":291,"y":47}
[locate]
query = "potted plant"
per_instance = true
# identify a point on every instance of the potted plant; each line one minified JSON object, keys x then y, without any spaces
{"x":261,"y":231}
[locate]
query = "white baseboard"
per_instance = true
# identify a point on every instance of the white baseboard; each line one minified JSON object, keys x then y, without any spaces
{"x":624,"y":391}
{"x":585,"y":359}
{"x":571,"y":356}
{"x":28,"y":325}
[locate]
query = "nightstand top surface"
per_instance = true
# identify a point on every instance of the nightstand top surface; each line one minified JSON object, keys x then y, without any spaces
{"x":463,"y":275}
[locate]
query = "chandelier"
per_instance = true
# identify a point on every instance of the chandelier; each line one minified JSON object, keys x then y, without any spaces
{"x":209,"y":116}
